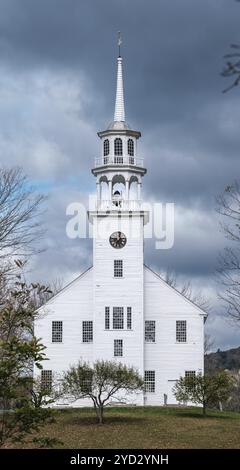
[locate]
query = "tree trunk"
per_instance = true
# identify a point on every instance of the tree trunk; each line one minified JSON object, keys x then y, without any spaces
{"x":100,"y":414}
{"x":220,"y":406}
{"x":204,"y":409}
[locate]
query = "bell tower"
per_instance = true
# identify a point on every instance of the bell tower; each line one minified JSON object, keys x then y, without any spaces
{"x":118,"y":223}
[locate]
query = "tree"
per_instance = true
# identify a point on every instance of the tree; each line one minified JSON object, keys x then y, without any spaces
{"x":19,"y":351}
{"x":232,"y":67}
{"x":205,"y":390}
{"x":228,"y":206}
{"x":101,"y":382}
{"x":187,"y":290}
{"x":19,"y":212}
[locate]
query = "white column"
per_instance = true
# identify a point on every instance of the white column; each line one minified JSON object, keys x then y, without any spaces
{"x":139,"y":185}
{"x":110,"y":189}
{"x":127,"y":190}
{"x":98,"y":191}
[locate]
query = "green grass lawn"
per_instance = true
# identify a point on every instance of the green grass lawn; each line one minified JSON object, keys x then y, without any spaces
{"x":149,"y":427}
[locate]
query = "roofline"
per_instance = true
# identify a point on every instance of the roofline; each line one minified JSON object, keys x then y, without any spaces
{"x":65,"y":287}
{"x":205,"y":314}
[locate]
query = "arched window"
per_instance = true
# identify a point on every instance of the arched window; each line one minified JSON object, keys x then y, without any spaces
{"x":106,"y":147}
{"x":118,"y":150}
{"x":130,"y":147}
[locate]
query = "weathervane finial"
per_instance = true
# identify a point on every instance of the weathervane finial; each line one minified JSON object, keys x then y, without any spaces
{"x":119,"y":43}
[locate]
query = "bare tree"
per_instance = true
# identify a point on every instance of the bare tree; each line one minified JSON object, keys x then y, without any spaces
{"x":228,"y":206}
{"x":19,"y":213}
{"x":208,"y":343}
{"x":187,"y":290}
{"x":232,"y":66}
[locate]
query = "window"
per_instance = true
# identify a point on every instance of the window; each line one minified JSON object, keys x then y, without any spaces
{"x":150,"y":331}
{"x":190,"y":376}
{"x":130,"y":147}
{"x":181,"y":331}
{"x":107,"y":318}
{"x":118,"y":148}
{"x":129,"y":318}
{"x":118,"y":268}
{"x":46,"y":380}
{"x":87,"y":331}
{"x":149,"y":380}
{"x":57,"y":331}
{"x":118,"y":318}
{"x":118,"y":347}
{"x":106,"y":147}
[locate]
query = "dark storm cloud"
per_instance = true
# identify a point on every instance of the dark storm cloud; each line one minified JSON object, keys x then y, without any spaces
{"x":57,"y":84}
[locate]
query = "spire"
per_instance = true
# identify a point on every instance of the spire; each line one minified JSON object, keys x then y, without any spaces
{"x":119,"y":114}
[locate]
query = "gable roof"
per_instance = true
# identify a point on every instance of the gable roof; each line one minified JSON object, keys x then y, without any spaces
{"x":201,"y":311}
{"x":65,"y":287}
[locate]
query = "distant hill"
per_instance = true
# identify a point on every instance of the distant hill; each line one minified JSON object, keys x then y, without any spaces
{"x":229,"y":359}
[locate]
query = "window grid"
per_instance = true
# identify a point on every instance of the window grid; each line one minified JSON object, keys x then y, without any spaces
{"x":46,"y":380}
{"x":118,"y":318}
{"x":181,"y":331}
{"x":150,"y":329}
{"x":130,"y":147}
{"x":118,"y":347}
{"x":129,"y":318}
{"x":57,"y":329}
{"x":118,"y":268}
{"x":149,"y":381}
{"x":87,"y":331}
{"x":106,"y":147}
{"x":118,"y":147}
{"x":190,"y":374}
{"x":107,"y":318}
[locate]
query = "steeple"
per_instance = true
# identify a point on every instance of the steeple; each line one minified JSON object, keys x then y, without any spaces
{"x":119,"y":114}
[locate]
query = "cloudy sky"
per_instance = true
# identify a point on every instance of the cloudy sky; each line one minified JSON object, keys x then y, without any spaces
{"x":57,"y":85}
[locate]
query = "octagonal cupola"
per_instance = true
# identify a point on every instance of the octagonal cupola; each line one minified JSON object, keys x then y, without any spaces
{"x":119,"y":160}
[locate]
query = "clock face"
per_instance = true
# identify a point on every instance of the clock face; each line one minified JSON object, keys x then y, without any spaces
{"x":118,"y":240}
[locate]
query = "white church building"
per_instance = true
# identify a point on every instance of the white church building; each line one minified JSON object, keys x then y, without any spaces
{"x":119,"y":309}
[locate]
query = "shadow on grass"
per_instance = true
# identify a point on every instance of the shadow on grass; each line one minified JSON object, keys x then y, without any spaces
{"x":195,"y":415}
{"x":108,"y":420}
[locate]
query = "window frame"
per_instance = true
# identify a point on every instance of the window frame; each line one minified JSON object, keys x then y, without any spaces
{"x":87,"y":333}
{"x":150,"y":331}
{"x":118,"y":348}
{"x":118,"y":147}
{"x":118,"y":268}
{"x":57,"y":331}
{"x":129,"y":318}
{"x":130,"y":145}
{"x":47,"y":379}
{"x":107,"y":318}
{"x":106,"y":147}
{"x":150,"y":382}
{"x":181,"y":331}
{"x":118,"y":318}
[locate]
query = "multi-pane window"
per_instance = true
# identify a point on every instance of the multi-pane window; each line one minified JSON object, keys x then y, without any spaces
{"x":118,"y":268}
{"x":57,"y":329}
{"x":87,"y":331}
{"x":150,"y":331}
{"x":129,"y":318}
{"x":107,"y":318}
{"x":106,"y":147}
{"x":46,"y":380}
{"x":181,"y":331}
{"x":190,"y":377}
{"x":190,"y":374}
{"x":118,"y":147}
{"x":118,"y":318}
{"x":118,"y":347}
{"x":149,"y":380}
{"x":130,"y":147}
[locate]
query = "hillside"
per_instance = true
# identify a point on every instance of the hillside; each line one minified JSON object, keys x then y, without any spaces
{"x":229,"y":359}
